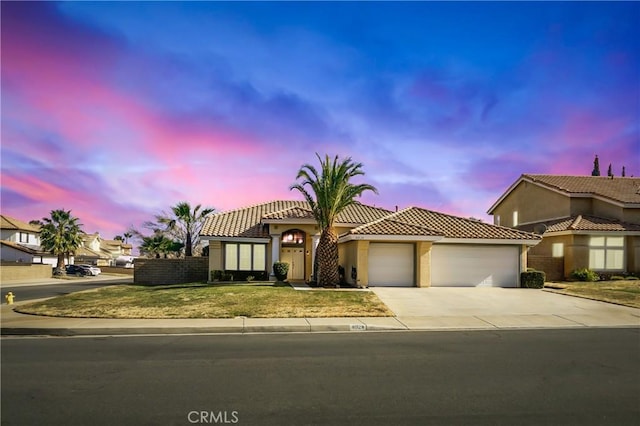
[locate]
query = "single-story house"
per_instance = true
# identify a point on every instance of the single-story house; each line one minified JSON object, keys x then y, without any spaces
{"x":585,"y":221}
{"x":377,"y":247}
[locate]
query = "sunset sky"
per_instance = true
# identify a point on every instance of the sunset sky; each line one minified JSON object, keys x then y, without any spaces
{"x":118,"y":110}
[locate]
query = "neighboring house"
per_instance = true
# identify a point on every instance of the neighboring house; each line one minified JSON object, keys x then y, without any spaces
{"x":377,"y":247}
{"x":20,"y":242}
{"x":97,"y":251}
{"x":586,"y":221}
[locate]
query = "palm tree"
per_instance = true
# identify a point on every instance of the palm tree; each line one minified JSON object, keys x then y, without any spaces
{"x":186,"y":223}
{"x":330,"y":193}
{"x":158,"y":244}
{"x":60,"y":235}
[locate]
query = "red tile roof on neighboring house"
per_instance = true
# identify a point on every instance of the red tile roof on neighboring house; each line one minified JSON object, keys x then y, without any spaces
{"x":621,"y":189}
{"x":7,"y":222}
{"x":582,"y":223}
{"x":247,"y":222}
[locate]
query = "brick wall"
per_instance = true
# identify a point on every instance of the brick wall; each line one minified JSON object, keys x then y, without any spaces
{"x":116,"y":270}
{"x":170,"y":271}
{"x":24,"y":271}
{"x":553,"y":267}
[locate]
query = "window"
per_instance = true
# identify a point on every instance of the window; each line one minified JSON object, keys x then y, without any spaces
{"x":497,"y":220}
{"x":23,"y":237}
{"x":515,"y":218}
{"x":557,"y":249}
{"x":245,"y":257}
{"x":606,"y":253}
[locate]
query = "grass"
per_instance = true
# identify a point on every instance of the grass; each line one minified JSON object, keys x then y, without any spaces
{"x":623,"y":292}
{"x":259,"y":300}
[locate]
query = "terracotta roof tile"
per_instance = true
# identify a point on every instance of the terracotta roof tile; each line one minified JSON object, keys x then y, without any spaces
{"x":459,"y":227}
{"x":20,"y":247}
{"x":247,"y":222}
{"x":291,"y":213}
{"x":7,"y":222}
{"x":620,"y":189}
{"x":388,"y":226}
{"x":583,"y":223}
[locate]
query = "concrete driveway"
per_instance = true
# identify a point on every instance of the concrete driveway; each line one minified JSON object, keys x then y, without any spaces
{"x":444,"y":307}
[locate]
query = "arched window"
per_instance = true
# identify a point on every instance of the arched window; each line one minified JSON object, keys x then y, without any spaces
{"x":294,"y":237}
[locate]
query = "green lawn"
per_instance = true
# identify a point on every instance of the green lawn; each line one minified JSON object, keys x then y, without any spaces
{"x":260,"y":300}
{"x":623,"y":292}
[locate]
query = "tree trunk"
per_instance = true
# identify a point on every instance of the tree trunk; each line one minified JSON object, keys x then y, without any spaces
{"x":187,"y":249}
{"x":327,"y":273}
{"x":60,"y":270}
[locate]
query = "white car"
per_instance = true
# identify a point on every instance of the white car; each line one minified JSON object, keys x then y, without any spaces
{"x":91,"y":270}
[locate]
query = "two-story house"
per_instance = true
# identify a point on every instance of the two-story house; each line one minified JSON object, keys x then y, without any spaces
{"x":96,"y":250}
{"x":586,"y":222}
{"x":20,"y":242}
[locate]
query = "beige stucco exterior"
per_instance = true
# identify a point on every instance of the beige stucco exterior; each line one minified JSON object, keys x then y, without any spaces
{"x":532,"y":203}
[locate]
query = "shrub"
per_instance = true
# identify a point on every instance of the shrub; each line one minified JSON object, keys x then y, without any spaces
{"x":585,"y":274}
{"x":280,"y":270}
{"x":216,"y":275}
{"x":617,"y":278}
{"x":226,"y":276}
{"x":532,"y":279}
{"x":632,"y":278}
{"x":250,"y":278}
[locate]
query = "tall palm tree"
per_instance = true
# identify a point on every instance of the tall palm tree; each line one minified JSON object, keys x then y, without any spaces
{"x":60,"y":235}
{"x":330,"y":192}
{"x":187,"y":223}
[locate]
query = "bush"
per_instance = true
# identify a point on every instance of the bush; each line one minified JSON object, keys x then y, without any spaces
{"x":280,"y":270}
{"x":532,"y":279}
{"x":617,"y":278}
{"x":585,"y":274}
{"x":216,"y":275}
{"x":632,"y":278}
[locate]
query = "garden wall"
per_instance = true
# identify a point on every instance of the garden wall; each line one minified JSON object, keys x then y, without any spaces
{"x":170,"y":271}
{"x":553,"y":267}
{"x":116,"y":270}
{"x":24,"y":271}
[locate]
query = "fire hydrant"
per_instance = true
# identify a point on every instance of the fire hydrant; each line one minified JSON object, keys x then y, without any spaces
{"x":9,"y":296}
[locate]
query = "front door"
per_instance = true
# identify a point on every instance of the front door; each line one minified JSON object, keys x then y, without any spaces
{"x":295,"y":258}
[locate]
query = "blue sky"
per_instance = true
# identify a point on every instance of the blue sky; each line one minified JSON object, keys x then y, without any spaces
{"x":118,"y":110}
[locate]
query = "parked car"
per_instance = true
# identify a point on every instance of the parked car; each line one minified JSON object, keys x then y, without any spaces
{"x":76,"y":270}
{"x":91,"y":270}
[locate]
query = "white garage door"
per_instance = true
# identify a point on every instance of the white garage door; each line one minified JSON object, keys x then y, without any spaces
{"x":391,"y":264}
{"x":460,"y":265}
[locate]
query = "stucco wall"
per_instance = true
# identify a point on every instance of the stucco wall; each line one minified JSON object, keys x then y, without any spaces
{"x":532,"y":203}
{"x":19,"y":271}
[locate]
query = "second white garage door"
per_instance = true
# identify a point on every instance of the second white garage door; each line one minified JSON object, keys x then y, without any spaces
{"x":458,"y":265}
{"x":391,"y":264}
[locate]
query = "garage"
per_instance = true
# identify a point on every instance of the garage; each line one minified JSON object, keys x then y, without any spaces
{"x":461,"y":265}
{"x":391,"y":264}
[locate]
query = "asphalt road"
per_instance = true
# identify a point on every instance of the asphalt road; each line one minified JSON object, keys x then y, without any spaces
{"x":559,"y":377}
{"x":32,"y":292}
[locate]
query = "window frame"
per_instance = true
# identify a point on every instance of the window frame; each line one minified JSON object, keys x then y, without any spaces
{"x":607,"y":252}
{"x":238,"y":253}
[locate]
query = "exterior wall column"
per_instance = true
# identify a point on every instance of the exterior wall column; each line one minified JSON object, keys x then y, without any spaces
{"x":315,"y":240}
{"x":423,"y":263}
{"x":275,"y":251}
{"x":362,"y":263}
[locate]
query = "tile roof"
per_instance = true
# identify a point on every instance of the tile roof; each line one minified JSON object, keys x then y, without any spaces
{"x":247,"y":222}
{"x":458,"y":227}
{"x":621,"y":189}
{"x":7,"y":222}
{"x":388,"y":226}
{"x":291,"y":213}
{"x":20,"y":247}
{"x":583,"y":223}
